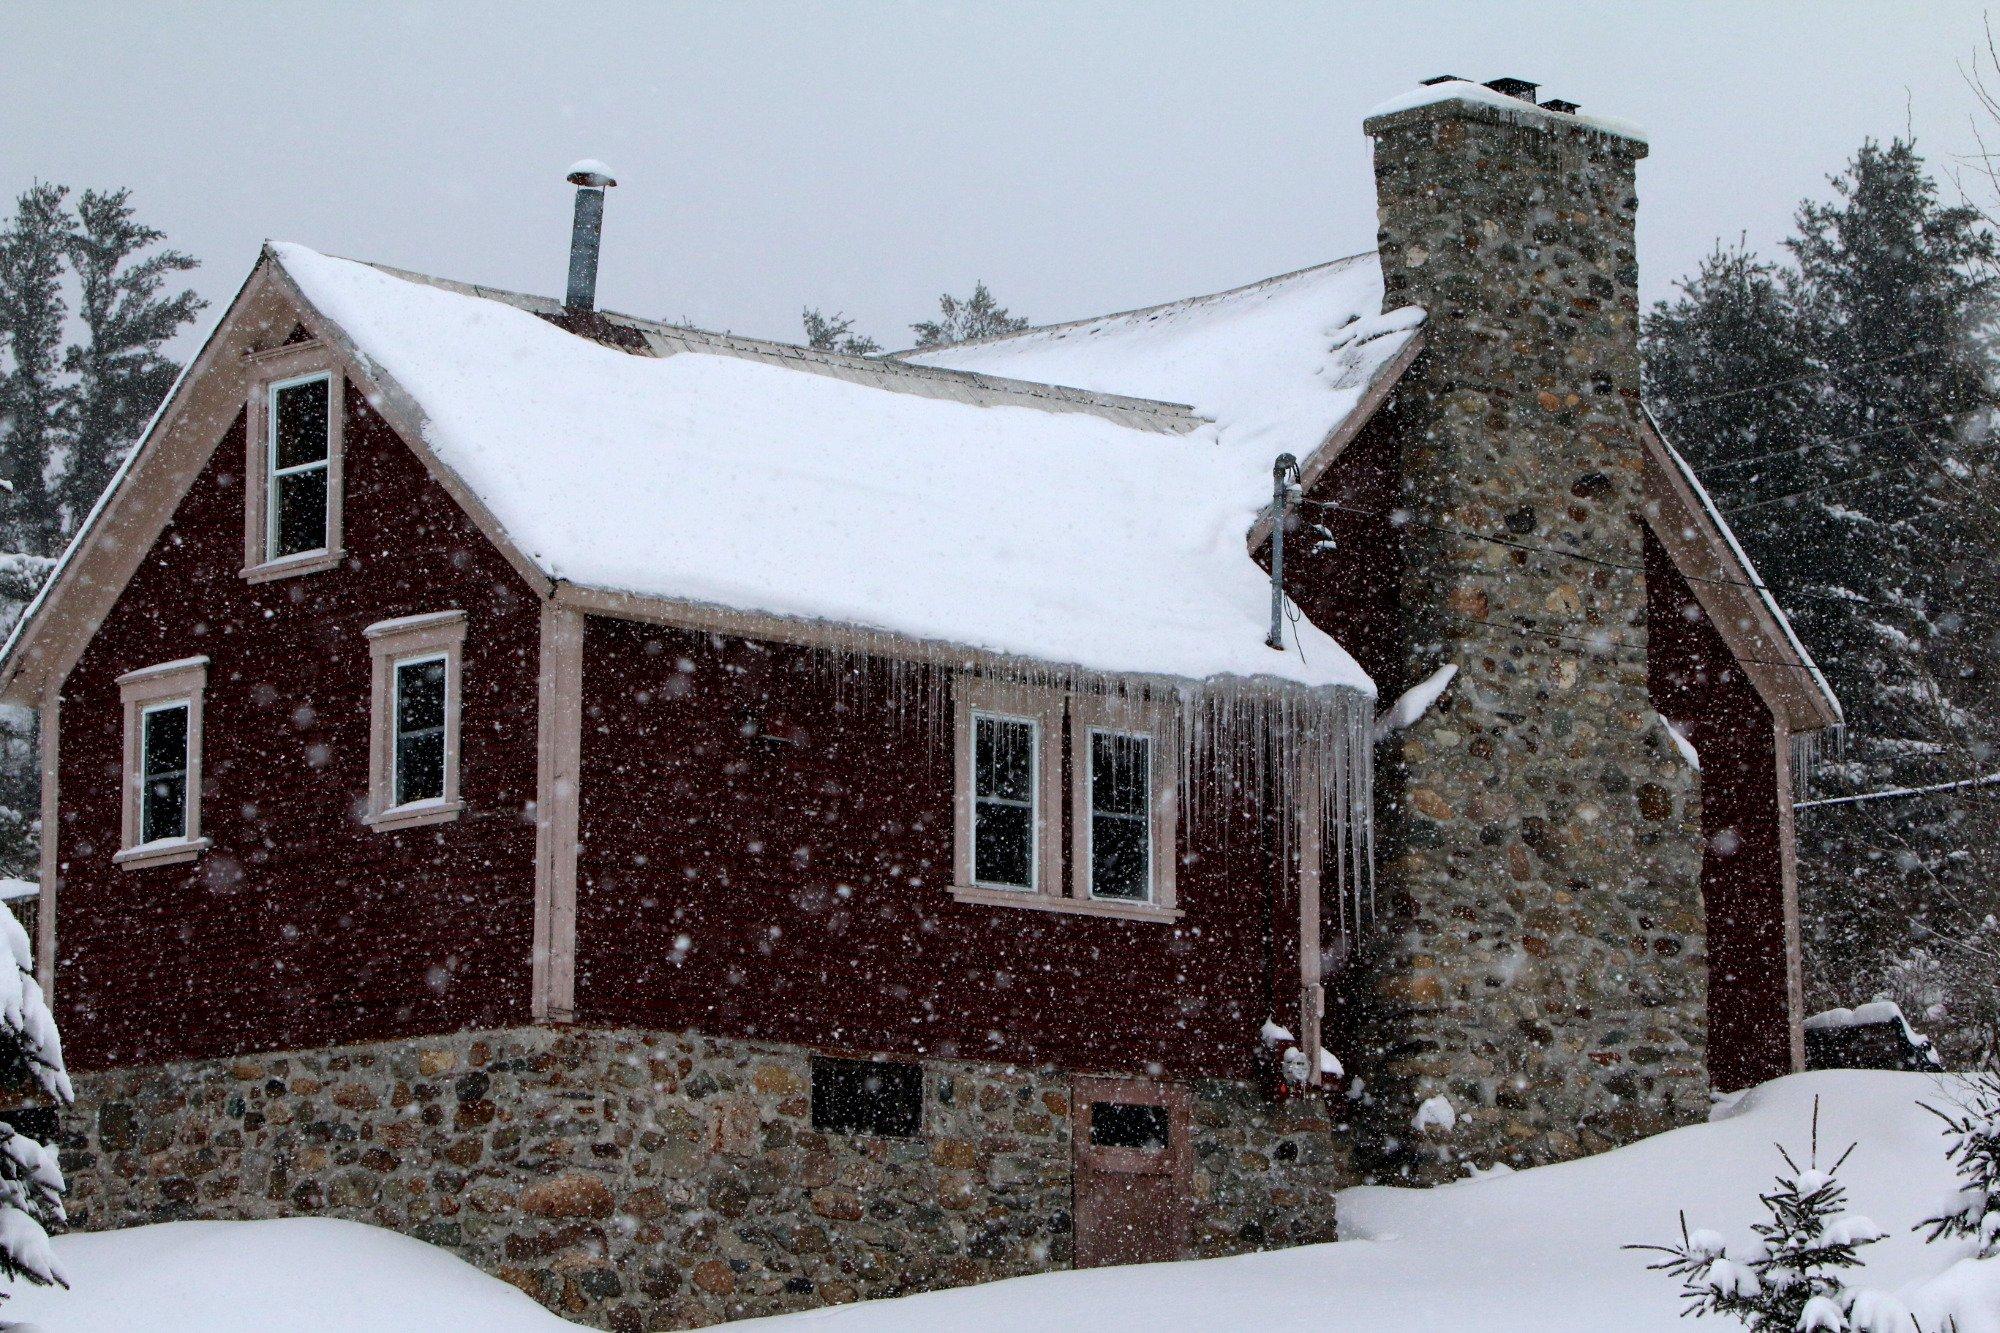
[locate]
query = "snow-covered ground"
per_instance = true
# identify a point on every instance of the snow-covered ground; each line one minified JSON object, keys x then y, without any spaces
{"x":1535,"y":1250}
{"x":297,"y":1274}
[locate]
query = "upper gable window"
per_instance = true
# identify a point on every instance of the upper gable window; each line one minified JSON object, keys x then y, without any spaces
{"x":162,"y":783}
{"x":300,"y":459}
{"x":292,"y":496}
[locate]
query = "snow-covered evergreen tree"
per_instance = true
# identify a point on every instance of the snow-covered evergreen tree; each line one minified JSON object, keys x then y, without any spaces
{"x":1838,"y":408}
{"x":1794,"y":1275}
{"x":835,"y":333}
{"x":1973,"y":1124}
{"x":962,"y":320}
{"x":31,"y":1183}
{"x":120,"y":372}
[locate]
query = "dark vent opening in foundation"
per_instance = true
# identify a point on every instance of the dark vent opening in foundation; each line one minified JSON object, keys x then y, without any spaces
{"x":867,"y":1097}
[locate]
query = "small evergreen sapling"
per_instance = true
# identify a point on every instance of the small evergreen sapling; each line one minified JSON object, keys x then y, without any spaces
{"x":1973,"y":1125}
{"x":1792,"y":1278}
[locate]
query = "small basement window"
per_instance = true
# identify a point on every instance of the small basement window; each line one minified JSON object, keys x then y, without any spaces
{"x":1128,"y":1125}
{"x":877,"y":1097}
{"x":298,"y":486}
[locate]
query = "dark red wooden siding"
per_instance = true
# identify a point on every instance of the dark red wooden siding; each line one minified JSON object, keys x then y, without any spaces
{"x":1696,"y":681}
{"x":766,"y":855}
{"x":301,"y":927}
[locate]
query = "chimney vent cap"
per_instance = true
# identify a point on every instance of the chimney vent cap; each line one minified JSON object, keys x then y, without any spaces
{"x":590,"y":172}
{"x":1558,"y":104}
{"x":1520,"y":88}
{"x":1443,"y":78}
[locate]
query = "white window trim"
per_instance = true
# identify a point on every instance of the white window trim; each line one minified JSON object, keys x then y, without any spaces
{"x":391,"y":643}
{"x":974,"y":698}
{"x":178,"y":682}
{"x":274,"y":370}
{"x":1047,"y":708}
{"x":1092,"y":713}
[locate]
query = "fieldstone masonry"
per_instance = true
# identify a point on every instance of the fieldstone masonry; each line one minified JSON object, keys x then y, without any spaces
{"x":1545,"y":971}
{"x":636,"y":1180}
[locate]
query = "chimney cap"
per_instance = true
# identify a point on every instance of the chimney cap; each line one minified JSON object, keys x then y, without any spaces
{"x":1558,"y":104}
{"x":590,"y":172}
{"x":1520,"y":88}
{"x":1443,"y":78}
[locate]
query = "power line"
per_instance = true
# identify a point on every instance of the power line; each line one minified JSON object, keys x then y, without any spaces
{"x":1901,"y":793}
{"x":1843,"y":439}
{"x":1821,"y":373}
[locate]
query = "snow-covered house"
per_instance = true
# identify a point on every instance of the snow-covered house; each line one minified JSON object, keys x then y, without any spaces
{"x":705,"y":827}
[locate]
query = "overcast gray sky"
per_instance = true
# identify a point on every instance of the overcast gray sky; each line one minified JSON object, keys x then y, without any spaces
{"x":1079,"y":157}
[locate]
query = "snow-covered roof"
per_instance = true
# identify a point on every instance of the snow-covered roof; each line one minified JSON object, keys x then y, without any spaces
{"x":1277,"y":365}
{"x":1056,"y":531}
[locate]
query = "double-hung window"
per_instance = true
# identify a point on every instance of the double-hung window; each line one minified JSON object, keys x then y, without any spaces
{"x":1032,"y":762}
{"x":1005,"y":800}
{"x":161,"y":821}
{"x":413,"y":758}
{"x":293,"y":471}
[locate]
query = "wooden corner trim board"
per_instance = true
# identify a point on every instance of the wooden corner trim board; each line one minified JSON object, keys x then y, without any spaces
{"x":49,"y":728}
{"x":558,"y":766}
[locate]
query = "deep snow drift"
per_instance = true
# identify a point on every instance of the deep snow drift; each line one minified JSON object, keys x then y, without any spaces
{"x":1535,"y":1250}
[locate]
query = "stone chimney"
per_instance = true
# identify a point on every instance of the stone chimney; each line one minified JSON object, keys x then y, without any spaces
{"x":1542,"y":965}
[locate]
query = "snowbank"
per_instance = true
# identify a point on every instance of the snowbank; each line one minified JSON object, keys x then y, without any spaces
{"x":1058,"y":536}
{"x":304,"y":1274}
{"x":1527,"y":1251}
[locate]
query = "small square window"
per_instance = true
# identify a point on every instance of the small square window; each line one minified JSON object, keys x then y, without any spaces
{"x":878,"y":1097}
{"x":1128,"y":1125}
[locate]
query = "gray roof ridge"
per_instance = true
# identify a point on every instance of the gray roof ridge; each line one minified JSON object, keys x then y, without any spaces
{"x":1182,"y":302}
{"x":890,"y":375}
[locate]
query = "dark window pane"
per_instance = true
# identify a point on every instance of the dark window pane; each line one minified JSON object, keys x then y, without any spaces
{"x":1124,"y":1125}
{"x":420,"y":767}
{"x":1004,"y":759}
{"x":1118,"y":858}
{"x":419,"y":695}
{"x":166,"y":741}
{"x":1003,"y":844}
{"x":299,"y":504}
{"x":1120,"y":773}
{"x":163,"y":808}
{"x":867,"y":1097}
{"x":300,"y":414}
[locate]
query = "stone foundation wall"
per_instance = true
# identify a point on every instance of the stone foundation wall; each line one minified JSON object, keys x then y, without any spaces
{"x":642,"y":1180}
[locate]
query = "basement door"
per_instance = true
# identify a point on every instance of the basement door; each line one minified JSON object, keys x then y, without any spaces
{"x":1131,"y":1176}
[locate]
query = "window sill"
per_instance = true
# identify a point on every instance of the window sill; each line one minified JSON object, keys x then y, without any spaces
{"x":163,"y":853}
{"x":415,"y":815}
{"x":1049,"y":902}
{"x":308,"y":562}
